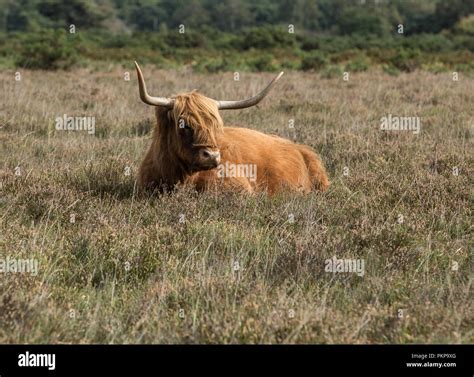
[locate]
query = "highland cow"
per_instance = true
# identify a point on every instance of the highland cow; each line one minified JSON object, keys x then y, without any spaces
{"x":190,"y":145}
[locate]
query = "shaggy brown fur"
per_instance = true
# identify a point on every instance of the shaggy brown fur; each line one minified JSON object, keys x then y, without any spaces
{"x":173,"y":155}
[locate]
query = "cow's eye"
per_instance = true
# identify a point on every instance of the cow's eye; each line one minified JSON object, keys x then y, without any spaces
{"x":183,"y":124}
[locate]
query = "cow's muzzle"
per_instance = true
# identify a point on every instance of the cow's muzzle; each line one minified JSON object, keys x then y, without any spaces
{"x":209,"y":158}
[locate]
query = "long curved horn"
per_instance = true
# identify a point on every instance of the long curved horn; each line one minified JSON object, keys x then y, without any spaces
{"x":242,"y":104}
{"x":149,"y":100}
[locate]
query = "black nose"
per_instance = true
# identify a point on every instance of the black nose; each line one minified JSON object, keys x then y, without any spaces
{"x":209,"y":157}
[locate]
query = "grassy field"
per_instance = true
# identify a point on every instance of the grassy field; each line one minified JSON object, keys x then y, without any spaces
{"x":206,"y":268}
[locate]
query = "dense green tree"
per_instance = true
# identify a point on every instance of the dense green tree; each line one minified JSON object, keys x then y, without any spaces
{"x":21,"y":15}
{"x":357,"y":20}
{"x":231,"y":15}
{"x":448,"y":13}
{"x":190,"y":13}
{"x":81,"y":13}
{"x":146,"y":15}
{"x":414,"y":14}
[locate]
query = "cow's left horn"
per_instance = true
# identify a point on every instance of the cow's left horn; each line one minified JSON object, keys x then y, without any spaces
{"x":149,"y":100}
{"x":242,"y":104}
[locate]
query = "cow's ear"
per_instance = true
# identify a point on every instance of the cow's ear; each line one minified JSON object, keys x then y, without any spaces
{"x":163,"y":116}
{"x":170,"y":116}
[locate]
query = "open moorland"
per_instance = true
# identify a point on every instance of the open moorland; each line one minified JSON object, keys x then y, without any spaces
{"x":113,"y":267}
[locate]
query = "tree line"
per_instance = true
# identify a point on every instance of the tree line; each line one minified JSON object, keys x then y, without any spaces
{"x":332,"y":17}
